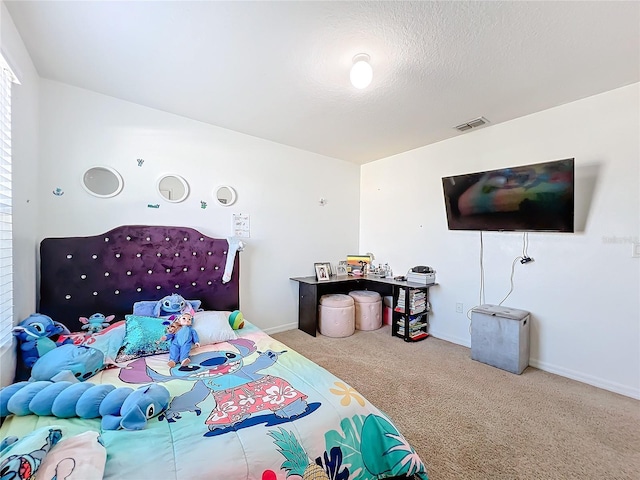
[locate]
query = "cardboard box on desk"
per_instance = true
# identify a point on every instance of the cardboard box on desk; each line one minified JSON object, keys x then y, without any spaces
{"x":421,"y":278}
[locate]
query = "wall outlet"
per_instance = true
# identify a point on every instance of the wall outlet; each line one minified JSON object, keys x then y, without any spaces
{"x":635,"y":252}
{"x":459,"y":308}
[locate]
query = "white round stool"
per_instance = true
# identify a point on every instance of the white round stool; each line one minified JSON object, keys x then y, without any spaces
{"x":336,"y":315}
{"x":368,"y":309}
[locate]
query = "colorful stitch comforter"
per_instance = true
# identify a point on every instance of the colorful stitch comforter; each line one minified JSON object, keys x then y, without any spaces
{"x":249,"y":408}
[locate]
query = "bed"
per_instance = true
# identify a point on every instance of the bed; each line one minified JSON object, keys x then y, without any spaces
{"x":246,"y":407}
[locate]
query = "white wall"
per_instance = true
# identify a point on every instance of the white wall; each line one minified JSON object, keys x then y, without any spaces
{"x":278,"y":186}
{"x":582,"y":289}
{"x":24,"y":130}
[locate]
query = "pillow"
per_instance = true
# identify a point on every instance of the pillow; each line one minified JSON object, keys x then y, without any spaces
{"x":27,"y":452}
{"x":141,"y":335}
{"x":81,"y":457}
{"x":213,"y":327}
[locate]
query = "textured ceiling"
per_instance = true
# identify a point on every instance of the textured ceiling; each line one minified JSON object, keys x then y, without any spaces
{"x":280,"y":70}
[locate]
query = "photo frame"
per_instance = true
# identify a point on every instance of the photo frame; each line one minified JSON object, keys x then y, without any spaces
{"x":357,"y":262}
{"x":341,"y":269}
{"x":323,"y":271}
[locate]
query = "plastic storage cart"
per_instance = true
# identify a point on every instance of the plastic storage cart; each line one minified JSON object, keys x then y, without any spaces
{"x":500,"y":337}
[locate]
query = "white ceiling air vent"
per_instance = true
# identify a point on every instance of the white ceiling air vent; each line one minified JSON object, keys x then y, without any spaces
{"x":476,"y":122}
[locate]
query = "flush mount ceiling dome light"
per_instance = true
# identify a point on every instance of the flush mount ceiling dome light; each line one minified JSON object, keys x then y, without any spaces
{"x":361,"y":71}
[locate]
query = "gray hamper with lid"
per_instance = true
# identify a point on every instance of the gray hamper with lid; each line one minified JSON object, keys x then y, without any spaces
{"x":500,"y":337}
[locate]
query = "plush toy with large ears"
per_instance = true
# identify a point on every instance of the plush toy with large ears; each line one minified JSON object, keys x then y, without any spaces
{"x":37,"y":334}
{"x":96,"y":322}
{"x":175,"y":304}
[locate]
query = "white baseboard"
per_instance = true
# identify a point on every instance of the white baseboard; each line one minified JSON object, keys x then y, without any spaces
{"x":588,"y":379}
{"x":563,"y":372}
{"x":458,"y":341}
{"x":281,"y":328}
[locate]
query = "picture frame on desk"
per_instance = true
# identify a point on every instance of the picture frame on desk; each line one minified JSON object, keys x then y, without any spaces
{"x":341,"y":270}
{"x":323,"y":271}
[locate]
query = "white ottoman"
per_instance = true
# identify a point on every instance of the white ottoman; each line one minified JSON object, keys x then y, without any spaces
{"x":368,"y":309}
{"x":336,"y":315}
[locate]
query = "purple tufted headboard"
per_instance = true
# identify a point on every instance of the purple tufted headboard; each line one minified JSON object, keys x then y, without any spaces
{"x":108,"y":273}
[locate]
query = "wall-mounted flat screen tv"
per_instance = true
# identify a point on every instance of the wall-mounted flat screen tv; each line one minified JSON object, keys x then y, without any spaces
{"x":537,"y":197}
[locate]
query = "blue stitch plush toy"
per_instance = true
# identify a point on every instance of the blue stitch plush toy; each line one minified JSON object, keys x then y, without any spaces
{"x":173,"y":304}
{"x":96,"y":322}
{"x":120,"y":408}
{"x":37,"y":334}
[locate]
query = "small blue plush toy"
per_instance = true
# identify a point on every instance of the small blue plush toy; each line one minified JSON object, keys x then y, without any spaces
{"x":96,"y":322}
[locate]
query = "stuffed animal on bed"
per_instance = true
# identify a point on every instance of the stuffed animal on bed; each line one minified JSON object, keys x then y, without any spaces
{"x":75,"y":363}
{"x":120,"y":408}
{"x":182,"y":339}
{"x":96,"y":322}
{"x":173,"y":304}
{"x":37,"y":334}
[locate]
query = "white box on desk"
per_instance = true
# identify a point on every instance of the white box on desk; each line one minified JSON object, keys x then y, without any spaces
{"x":421,"y":278}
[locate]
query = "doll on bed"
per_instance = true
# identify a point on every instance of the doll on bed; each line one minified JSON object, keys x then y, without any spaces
{"x":182,"y":337}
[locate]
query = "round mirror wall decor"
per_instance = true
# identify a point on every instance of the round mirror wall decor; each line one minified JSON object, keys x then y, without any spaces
{"x":173,"y":188}
{"x":225,"y":195}
{"x":102,"y":182}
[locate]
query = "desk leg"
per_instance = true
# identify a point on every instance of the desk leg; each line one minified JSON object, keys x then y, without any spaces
{"x":308,"y":308}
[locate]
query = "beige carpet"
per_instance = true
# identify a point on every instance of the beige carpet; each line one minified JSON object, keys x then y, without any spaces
{"x":468,"y":420}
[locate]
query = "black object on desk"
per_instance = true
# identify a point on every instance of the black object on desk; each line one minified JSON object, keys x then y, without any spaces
{"x":310,"y":290}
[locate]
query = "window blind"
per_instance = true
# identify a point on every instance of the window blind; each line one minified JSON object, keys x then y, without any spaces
{"x":6,"y":217}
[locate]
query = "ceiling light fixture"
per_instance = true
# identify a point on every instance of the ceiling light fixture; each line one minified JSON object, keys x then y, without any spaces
{"x":361,"y":71}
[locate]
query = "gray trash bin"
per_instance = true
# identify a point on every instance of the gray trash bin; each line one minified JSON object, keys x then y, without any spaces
{"x":500,"y":337}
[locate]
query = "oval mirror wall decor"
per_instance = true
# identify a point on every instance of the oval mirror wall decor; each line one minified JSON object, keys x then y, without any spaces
{"x":173,"y":188}
{"x":225,"y":195}
{"x":102,"y":182}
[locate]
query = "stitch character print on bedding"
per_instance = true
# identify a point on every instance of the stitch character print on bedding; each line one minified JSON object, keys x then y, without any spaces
{"x":243,"y":397}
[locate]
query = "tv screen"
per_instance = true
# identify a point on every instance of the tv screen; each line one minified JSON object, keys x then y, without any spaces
{"x":537,"y":197}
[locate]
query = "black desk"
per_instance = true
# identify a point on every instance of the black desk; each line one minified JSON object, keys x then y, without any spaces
{"x":310,"y":291}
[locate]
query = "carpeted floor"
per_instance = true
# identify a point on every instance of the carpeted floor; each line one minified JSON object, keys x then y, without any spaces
{"x":468,"y":420}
